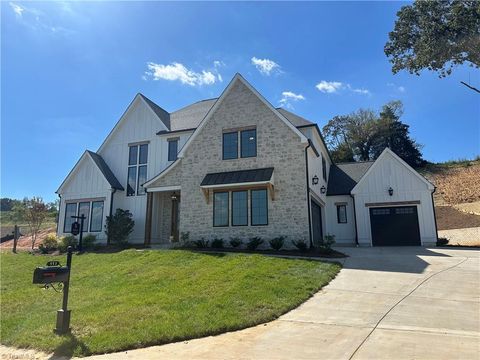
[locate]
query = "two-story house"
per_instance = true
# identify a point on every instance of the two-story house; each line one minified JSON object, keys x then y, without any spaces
{"x":235,"y":166}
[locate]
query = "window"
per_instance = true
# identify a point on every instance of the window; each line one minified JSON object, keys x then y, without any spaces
{"x":93,"y":211}
{"x":239,"y":208}
{"x":259,"y":207}
{"x":137,"y":169}
{"x":230,"y":145}
{"x":248,"y":143}
{"x":342,"y":214}
{"x":172,"y":149}
{"x":70,"y":210}
{"x":84,"y":209}
{"x":324,"y":168}
{"x":220,"y":209}
{"x":96,"y":216}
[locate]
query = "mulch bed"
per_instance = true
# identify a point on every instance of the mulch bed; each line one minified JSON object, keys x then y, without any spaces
{"x":450,"y":218}
{"x":310,"y":253}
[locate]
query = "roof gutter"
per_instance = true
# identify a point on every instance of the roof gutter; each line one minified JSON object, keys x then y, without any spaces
{"x":355,"y":220}
{"x":110,"y":211}
{"x":308,"y":197}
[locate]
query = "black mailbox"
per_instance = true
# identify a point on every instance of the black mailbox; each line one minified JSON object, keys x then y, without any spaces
{"x":50,"y":274}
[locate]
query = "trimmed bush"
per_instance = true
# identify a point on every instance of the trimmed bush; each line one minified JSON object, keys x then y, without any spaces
{"x":67,"y":241}
{"x":300,"y":245}
{"x":202,"y":243}
{"x":217,"y":243}
{"x":88,"y":241}
{"x":254,"y":243}
{"x":442,"y":242}
{"x":49,"y":243}
{"x":326,"y":246}
{"x":277,"y":243}
{"x":119,"y":226}
{"x":235,"y":242}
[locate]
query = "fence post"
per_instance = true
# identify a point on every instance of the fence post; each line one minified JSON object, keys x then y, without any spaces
{"x":16,"y":235}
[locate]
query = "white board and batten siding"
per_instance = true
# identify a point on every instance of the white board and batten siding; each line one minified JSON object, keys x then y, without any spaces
{"x":408,"y":186}
{"x":139,"y":125}
{"x":87,"y":184}
{"x":344,"y":232}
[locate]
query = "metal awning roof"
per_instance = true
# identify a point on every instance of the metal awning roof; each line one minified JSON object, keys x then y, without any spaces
{"x":241,"y":177}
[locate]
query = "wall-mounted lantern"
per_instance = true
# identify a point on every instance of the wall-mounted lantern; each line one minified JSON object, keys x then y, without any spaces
{"x":390,"y":191}
{"x":315,"y":180}
{"x":323,"y":189}
{"x":174,"y":196}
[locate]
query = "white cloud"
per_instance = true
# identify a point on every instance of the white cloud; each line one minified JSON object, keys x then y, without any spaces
{"x":178,"y":72}
{"x":288,"y":97}
{"x":17,"y":9}
{"x":266,"y":66}
{"x":329,"y":86}
{"x":401,"y":89}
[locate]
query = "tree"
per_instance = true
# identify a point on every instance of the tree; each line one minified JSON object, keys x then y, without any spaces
{"x":7,"y":204}
{"x":119,"y":226}
{"x":363,"y":135}
{"x":33,"y":211}
{"x":435,"y":35}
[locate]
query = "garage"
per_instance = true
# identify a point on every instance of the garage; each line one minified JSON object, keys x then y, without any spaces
{"x":395,"y":226}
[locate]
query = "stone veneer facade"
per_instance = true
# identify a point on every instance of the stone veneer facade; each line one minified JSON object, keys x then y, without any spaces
{"x":277,"y":146}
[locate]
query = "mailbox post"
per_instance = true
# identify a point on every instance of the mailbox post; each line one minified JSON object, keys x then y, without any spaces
{"x":54,"y":273}
{"x":78,"y":229}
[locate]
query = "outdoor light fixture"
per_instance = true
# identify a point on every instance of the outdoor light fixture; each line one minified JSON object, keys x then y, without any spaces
{"x":315,"y":180}
{"x":174,"y":196}
{"x":390,"y":191}
{"x":323,"y":189}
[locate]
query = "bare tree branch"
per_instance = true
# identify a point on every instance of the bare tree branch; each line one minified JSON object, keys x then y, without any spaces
{"x":470,"y":86}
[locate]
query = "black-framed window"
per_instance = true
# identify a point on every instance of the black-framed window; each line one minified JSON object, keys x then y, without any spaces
{"x":70,"y":210}
{"x":248,"y":143}
{"x":96,"y":217}
{"x":137,"y":169}
{"x":324,"y":168}
{"x":342,"y":214}
{"x":172,"y":149}
{"x":84,"y":209}
{"x":259,"y":207}
{"x":239,"y":208}
{"x":230,"y":145}
{"x":220,"y":209}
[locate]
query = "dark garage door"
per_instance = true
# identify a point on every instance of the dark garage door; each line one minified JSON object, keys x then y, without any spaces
{"x":395,"y":226}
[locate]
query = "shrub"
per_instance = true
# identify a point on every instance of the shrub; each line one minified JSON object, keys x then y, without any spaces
{"x":119,"y":226}
{"x":235,"y":242}
{"x":217,"y":243}
{"x":67,"y":241}
{"x":48,"y":244}
{"x":326,"y":246}
{"x":88,"y":241}
{"x":202,"y":243}
{"x":300,"y":245}
{"x":277,"y":243}
{"x":254,"y":242}
{"x":442,"y":242}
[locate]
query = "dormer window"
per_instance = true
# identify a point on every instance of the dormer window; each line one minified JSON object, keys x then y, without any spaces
{"x":137,"y":169}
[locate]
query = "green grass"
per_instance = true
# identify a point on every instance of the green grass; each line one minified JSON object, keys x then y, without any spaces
{"x":133,"y":299}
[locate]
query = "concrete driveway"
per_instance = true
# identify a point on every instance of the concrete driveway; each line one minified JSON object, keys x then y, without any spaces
{"x":386,"y":303}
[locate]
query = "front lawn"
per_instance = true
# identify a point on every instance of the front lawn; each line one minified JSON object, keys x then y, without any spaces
{"x":133,"y":299}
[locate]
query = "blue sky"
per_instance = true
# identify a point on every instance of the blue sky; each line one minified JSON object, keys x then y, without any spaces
{"x":69,"y":70}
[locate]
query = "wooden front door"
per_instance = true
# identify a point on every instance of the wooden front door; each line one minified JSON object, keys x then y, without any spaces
{"x":317,"y":231}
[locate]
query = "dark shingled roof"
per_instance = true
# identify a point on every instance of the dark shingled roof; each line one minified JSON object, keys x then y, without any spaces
{"x":161,"y":113}
{"x":236,"y":177}
{"x":343,"y":177}
{"x":102,"y":165}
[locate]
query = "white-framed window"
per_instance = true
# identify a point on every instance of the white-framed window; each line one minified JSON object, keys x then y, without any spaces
{"x":342,"y":213}
{"x":137,"y":169}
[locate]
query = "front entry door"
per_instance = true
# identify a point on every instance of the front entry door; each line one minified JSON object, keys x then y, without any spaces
{"x":317,"y":231}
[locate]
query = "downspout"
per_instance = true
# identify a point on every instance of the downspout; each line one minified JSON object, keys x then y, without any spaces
{"x":308,"y":196}
{"x":110,"y":211}
{"x":434,"y":215}
{"x":355,"y":220}
{"x":59,"y":208}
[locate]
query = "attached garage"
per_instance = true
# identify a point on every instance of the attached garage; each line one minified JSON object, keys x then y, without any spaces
{"x":395,"y":226}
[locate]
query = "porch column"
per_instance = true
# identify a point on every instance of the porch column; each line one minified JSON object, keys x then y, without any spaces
{"x":148,"y":219}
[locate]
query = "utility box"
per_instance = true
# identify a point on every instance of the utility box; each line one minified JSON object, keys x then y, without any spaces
{"x":50,"y":274}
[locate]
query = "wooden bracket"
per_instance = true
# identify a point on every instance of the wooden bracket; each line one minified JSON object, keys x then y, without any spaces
{"x":271,"y":189}
{"x":206,"y":194}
